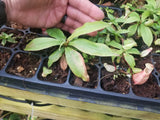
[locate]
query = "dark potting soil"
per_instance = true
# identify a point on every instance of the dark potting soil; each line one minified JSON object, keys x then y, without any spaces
{"x":4,"y":57}
{"x":140,"y":61}
{"x":149,"y":89}
{"x":93,"y":74}
{"x":57,"y":76}
{"x":24,"y":65}
{"x":119,"y":85}
{"x":156,"y":60}
{"x":27,"y":38}
{"x":17,"y":34}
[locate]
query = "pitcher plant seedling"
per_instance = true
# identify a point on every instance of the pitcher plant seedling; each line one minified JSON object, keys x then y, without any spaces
{"x":143,"y":22}
{"x":4,"y":37}
{"x":142,"y":77}
{"x":70,"y":47}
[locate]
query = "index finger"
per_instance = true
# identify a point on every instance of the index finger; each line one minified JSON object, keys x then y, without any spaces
{"x":87,"y":8}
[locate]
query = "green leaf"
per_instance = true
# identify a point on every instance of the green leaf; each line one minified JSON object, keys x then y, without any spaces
{"x":56,"y":33}
{"x":146,"y":34}
{"x":133,"y":17}
{"x":46,"y":72}
{"x":139,"y":31}
{"x":115,"y":44}
{"x":111,"y":29}
{"x":133,"y":51}
{"x":157,"y":3}
{"x":136,"y":70}
{"x":129,"y":43}
{"x":152,"y":3}
{"x":157,"y":51}
{"x":129,"y":59}
{"x":88,"y":28}
{"x":132,"y":29}
{"x":145,"y":14}
{"x":3,"y":42}
{"x":157,"y":42}
{"x":76,"y":63}
{"x":42,"y":43}
{"x":110,"y":16}
{"x":55,"y":56}
{"x":120,"y":20}
{"x":92,"y":48}
{"x":123,"y":31}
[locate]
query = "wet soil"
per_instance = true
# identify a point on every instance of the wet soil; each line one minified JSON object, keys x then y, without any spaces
{"x":17,"y":34}
{"x":57,"y":76}
{"x":93,"y":74}
{"x":118,"y":83}
{"x":24,"y":65}
{"x":4,"y":57}
{"x":150,"y":88}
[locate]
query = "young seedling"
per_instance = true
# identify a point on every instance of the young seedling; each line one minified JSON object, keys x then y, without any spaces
{"x":4,"y":37}
{"x":126,"y":52}
{"x":69,"y":47}
{"x":143,"y":22}
{"x":142,"y":77}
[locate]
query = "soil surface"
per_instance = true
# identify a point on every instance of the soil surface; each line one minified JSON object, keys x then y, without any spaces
{"x":57,"y":76}
{"x":93,"y":74}
{"x":149,"y":89}
{"x":119,"y":85}
{"x":24,"y":65}
{"x":4,"y":57}
{"x":17,"y":34}
{"x":27,"y":38}
{"x":156,"y":60}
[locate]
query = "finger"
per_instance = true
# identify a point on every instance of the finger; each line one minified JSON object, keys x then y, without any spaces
{"x":77,"y":15}
{"x":67,"y":28}
{"x":70,"y":29}
{"x":59,"y":25}
{"x":72,"y":23}
{"x":87,"y":8}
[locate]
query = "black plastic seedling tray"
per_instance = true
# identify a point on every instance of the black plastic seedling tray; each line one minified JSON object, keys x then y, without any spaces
{"x":92,"y":95}
{"x":96,"y":95}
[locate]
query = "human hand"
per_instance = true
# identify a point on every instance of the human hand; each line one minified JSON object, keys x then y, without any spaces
{"x":48,"y":13}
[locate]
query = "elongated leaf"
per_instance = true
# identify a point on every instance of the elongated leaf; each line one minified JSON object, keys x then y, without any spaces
{"x":123,"y":31}
{"x":92,"y":48}
{"x":56,"y":33}
{"x":146,"y":34}
{"x":76,"y":63}
{"x":110,"y":16}
{"x":133,"y":51}
{"x":136,"y":70}
{"x":145,"y":14}
{"x":111,"y":29}
{"x":115,"y":44}
{"x":42,"y":43}
{"x":129,"y":43}
{"x":55,"y":56}
{"x":152,"y":3}
{"x":132,"y":29}
{"x":63,"y":62}
{"x":129,"y":59}
{"x":139,"y":31}
{"x":133,"y":17}
{"x":88,"y":28}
